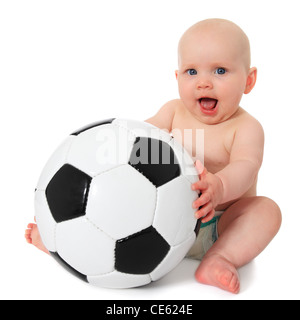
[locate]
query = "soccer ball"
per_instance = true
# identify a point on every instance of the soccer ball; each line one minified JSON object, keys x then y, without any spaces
{"x":114,"y":203}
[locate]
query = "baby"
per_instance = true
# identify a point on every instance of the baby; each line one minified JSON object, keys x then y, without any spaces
{"x":213,"y":74}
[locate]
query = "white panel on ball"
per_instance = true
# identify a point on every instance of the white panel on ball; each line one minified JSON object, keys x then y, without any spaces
{"x":101,"y":148}
{"x":185,"y":161}
{"x":174,"y":219}
{"x":74,"y":239}
{"x":55,"y":162}
{"x":116,"y":203}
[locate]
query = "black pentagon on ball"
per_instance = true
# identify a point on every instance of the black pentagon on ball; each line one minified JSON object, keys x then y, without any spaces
{"x":155,"y":159}
{"x":67,"y":193}
{"x":140,"y":253}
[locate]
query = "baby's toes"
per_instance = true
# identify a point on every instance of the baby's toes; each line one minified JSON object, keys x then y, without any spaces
{"x":28,"y":238}
{"x":28,"y":233}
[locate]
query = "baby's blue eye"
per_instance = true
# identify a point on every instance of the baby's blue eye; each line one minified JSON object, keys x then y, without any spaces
{"x":192,"y":72}
{"x":220,"y":71}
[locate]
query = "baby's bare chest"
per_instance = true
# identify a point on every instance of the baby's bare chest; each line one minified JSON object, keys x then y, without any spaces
{"x":217,"y":147}
{"x":209,"y":144}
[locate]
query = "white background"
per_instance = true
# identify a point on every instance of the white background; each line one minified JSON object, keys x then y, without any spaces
{"x":64,"y":64}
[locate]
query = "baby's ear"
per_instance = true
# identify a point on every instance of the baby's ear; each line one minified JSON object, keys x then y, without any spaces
{"x":176,"y":74}
{"x":251,"y":80}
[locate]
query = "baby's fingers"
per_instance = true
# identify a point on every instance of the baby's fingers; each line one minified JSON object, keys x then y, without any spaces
{"x":204,"y":211}
{"x":201,"y":201}
{"x":200,"y":185}
{"x":209,"y":216}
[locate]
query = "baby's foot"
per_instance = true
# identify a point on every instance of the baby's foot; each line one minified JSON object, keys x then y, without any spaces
{"x":216,"y":271}
{"x":32,"y":236}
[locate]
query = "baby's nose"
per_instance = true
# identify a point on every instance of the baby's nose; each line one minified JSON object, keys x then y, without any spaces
{"x":204,"y":83}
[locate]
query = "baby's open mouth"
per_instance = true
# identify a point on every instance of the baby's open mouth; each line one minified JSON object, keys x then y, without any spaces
{"x":208,"y":103}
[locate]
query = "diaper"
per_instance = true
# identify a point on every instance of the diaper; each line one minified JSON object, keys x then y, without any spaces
{"x":207,"y":236}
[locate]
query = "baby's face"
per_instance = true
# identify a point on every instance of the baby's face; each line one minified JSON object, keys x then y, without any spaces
{"x":212,"y":75}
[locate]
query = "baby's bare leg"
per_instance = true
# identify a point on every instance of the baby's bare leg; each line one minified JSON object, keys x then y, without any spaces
{"x":32,"y":236}
{"x":245,"y":230}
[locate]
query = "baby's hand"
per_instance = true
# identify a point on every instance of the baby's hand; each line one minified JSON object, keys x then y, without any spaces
{"x":211,"y":189}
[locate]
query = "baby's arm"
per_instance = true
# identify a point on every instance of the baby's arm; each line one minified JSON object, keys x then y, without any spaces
{"x":245,"y":161}
{"x":164,"y":117}
{"x":237,"y":177}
